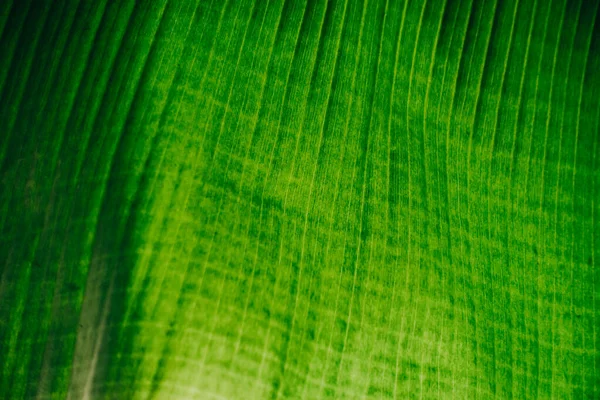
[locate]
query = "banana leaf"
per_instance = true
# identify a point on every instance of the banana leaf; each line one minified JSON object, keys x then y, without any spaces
{"x":299,"y":199}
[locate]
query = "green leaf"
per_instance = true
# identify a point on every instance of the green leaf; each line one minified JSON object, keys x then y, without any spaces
{"x":299,"y":199}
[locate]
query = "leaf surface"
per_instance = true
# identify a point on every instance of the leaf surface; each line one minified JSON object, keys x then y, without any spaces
{"x":299,"y":199}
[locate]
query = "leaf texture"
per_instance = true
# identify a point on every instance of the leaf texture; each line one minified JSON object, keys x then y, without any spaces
{"x":272,"y":199}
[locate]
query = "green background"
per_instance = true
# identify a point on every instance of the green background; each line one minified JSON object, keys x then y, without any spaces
{"x":299,"y":199}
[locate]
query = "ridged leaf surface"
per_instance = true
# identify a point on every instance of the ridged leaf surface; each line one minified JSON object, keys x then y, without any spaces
{"x":299,"y":199}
